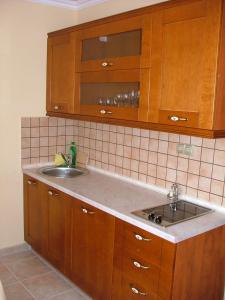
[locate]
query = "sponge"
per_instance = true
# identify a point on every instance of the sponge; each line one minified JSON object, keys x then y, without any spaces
{"x":58,"y":160}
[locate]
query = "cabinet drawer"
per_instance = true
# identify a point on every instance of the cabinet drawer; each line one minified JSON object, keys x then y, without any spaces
{"x":142,"y":244}
{"x":140,"y":271}
{"x":132,"y":290}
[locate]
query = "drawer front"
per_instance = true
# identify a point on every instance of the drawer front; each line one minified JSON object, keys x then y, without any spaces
{"x":134,"y":291}
{"x":143,"y":244}
{"x":141,"y":272}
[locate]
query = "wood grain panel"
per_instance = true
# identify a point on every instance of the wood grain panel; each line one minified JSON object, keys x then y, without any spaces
{"x":200,"y":267}
{"x":92,"y":250}
{"x":60,"y":73}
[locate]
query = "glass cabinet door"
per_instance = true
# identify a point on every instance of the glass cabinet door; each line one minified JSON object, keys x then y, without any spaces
{"x":115,"y":94}
{"x":116,"y":45}
{"x":112,"y":45}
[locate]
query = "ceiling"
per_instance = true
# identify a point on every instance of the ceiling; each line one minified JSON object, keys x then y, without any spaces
{"x":74,"y":4}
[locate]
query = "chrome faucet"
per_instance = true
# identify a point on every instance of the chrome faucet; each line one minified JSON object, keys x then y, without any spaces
{"x":173,"y":196}
{"x":66,"y":158}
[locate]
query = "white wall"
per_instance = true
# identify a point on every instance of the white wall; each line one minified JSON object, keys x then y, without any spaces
{"x":23,"y":29}
{"x":112,"y":7}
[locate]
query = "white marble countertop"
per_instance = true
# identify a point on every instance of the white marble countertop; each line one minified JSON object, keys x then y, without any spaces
{"x":119,"y":197}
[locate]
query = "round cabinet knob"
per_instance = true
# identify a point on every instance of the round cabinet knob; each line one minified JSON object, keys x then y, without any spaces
{"x":56,"y":107}
{"x":158,"y":219}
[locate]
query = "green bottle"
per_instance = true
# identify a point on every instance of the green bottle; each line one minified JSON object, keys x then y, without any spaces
{"x":73,"y":150}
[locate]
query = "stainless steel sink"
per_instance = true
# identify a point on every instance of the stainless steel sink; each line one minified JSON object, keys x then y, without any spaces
{"x":62,"y":172}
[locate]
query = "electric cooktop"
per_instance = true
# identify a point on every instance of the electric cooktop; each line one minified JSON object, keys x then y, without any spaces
{"x":172,"y":213}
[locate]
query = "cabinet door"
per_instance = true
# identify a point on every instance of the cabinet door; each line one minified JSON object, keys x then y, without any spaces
{"x":117,"y":45}
{"x":34,"y":215}
{"x":59,"y":224}
{"x":60,"y":73}
{"x":184,"y":58}
{"x":115,"y":94}
{"x":92,"y":250}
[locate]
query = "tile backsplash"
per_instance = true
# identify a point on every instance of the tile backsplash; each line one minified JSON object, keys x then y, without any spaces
{"x":145,"y":155}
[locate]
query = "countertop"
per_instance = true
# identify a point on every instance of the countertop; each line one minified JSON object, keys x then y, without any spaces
{"x":119,"y":197}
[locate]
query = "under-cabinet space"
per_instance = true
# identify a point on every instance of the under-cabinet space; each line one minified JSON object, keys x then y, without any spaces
{"x":118,"y":45}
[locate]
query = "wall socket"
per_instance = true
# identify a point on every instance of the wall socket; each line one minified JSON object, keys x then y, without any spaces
{"x":185,"y":149}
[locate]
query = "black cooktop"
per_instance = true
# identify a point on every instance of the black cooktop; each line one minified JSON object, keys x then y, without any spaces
{"x":170,"y":214}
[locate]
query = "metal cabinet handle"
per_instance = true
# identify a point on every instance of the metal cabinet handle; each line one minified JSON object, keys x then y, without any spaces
{"x":177,"y":118}
{"x":106,"y":64}
{"x":56,"y":107}
{"x":104,"y":112}
{"x":137,"y":264}
{"x":137,"y":291}
{"x":86,"y":211}
{"x":52,"y":193}
{"x":141,"y":238}
{"x":30,"y":182}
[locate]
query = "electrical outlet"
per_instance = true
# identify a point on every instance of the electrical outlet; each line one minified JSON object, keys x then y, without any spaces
{"x":185,"y":149}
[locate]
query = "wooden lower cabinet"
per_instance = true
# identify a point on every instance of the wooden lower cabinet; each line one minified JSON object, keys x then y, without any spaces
{"x":112,"y":260}
{"x":92,"y":250}
{"x":148,"y":267}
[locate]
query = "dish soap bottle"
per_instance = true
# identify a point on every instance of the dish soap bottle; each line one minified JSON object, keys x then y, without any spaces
{"x":73,"y":150}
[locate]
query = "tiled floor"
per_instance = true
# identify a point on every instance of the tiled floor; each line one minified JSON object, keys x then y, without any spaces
{"x":25,"y":276}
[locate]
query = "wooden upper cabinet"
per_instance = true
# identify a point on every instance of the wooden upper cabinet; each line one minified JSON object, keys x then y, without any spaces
{"x":113,"y":94}
{"x":118,"y":45}
{"x":61,"y":73}
{"x":185,"y":46}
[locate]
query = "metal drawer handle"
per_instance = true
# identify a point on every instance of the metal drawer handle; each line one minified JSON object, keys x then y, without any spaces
{"x":86,"y":211}
{"x":176,"y":119}
{"x":141,"y":238}
{"x":104,"y":112}
{"x":137,"y":291}
{"x":52,"y":193}
{"x":106,"y":64}
{"x":139,"y":265}
{"x":30,"y":182}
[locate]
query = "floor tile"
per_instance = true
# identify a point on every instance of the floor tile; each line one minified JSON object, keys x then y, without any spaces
{"x":6,"y":277}
{"x":71,"y":295}
{"x":17,"y":256}
{"x":27,"y":267}
{"x":17,"y":292}
{"x":46,"y":286}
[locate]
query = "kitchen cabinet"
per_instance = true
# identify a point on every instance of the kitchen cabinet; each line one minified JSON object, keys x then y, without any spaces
{"x":61,"y":73}
{"x":34,"y":214}
{"x":117,"y":45}
{"x":47,"y":215}
{"x":146,"y":266}
{"x":92,"y":250}
{"x":114,"y":94}
{"x":176,"y":49}
{"x":111,"y":259}
{"x":184,"y":64}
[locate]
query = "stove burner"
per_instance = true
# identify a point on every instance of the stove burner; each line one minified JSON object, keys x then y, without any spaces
{"x":173,"y":213}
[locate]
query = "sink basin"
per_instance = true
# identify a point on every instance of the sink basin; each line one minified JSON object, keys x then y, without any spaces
{"x":62,"y":172}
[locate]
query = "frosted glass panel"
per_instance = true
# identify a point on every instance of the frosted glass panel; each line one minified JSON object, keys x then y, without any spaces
{"x":114,"y":45}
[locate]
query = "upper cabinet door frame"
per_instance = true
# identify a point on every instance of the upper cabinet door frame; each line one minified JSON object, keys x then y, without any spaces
{"x":185,"y":43}
{"x":142,"y":23}
{"x":61,"y":73}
